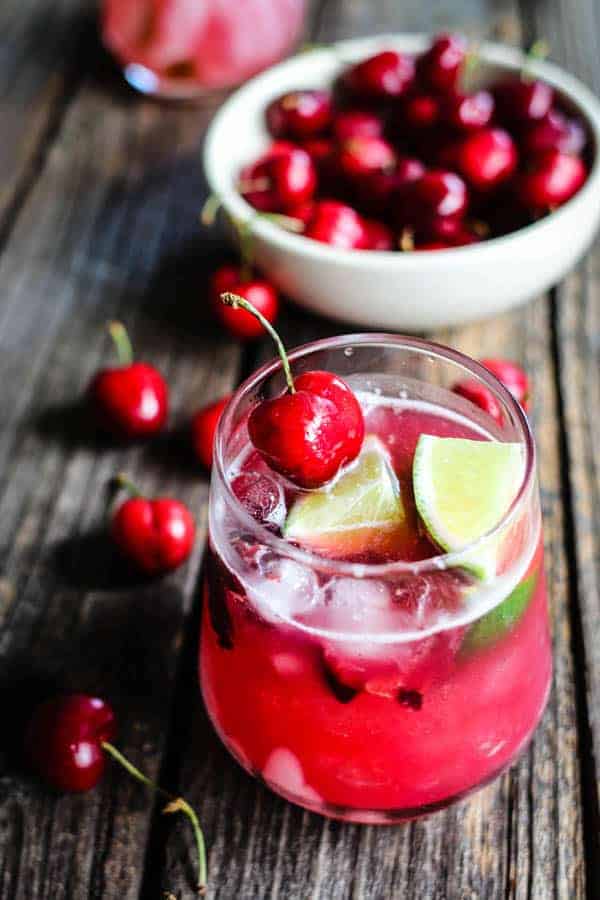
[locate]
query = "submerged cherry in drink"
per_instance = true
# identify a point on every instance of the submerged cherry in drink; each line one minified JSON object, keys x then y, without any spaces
{"x":356,"y":668}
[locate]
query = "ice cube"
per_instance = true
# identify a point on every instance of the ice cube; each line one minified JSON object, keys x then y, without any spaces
{"x":262,"y":496}
{"x":285,"y":588}
{"x":357,"y":605}
{"x":283,"y":770}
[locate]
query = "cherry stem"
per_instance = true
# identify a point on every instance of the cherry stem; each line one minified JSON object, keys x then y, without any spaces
{"x":121,"y":340}
{"x":123,"y":482}
{"x":209,"y":211}
{"x":538,"y":50}
{"x":290,"y":223}
{"x":175,"y":804}
{"x":472,"y":63}
{"x":237,"y":302}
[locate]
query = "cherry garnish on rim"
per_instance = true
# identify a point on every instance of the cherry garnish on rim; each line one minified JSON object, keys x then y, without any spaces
{"x":156,"y":535}
{"x":131,"y":400}
{"x":67,"y":740}
{"x":310,"y":431}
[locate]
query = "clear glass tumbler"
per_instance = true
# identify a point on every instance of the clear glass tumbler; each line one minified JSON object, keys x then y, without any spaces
{"x":373,"y":691}
{"x":189,"y":48}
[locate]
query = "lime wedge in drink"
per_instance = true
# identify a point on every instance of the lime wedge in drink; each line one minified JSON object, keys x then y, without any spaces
{"x":500,"y":620}
{"x":360,"y":511}
{"x":462,"y":490}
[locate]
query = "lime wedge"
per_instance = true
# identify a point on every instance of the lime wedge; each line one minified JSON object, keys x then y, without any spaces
{"x":362,"y":510}
{"x":500,"y":620}
{"x":462,"y":490}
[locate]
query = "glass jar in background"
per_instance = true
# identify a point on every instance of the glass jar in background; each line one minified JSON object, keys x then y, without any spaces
{"x":189,"y":48}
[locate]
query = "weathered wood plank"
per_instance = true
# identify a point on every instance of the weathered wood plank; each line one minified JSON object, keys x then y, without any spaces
{"x":109,"y":229}
{"x":520,"y":838}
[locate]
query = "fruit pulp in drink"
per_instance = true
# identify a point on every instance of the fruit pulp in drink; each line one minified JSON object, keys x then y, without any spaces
{"x":372,"y":699}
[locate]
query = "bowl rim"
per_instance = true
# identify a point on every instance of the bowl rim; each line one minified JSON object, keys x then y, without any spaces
{"x":502,"y":55}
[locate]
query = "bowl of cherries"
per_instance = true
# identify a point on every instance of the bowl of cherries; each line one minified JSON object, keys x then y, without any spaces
{"x":410,"y":183}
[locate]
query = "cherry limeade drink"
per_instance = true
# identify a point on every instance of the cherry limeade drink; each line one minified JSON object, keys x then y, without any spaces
{"x":372,"y":680}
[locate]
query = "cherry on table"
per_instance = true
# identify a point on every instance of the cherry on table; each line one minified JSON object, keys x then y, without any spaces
{"x":204,"y":426}
{"x":550,"y":179}
{"x":354,"y":123}
{"x":299,"y":114}
{"x":336,"y":224}
{"x":312,"y":429}
{"x":480,"y":395}
{"x":383,"y":76}
{"x":486,"y":158}
{"x":63,"y":741}
{"x":439,"y":67}
{"x":259,"y":292}
{"x":131,"y":400}
{"x":156,"y":535}
{"x":512,"y":376}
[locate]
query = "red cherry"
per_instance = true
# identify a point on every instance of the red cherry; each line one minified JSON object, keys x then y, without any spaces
{"x":554,"y":132}
{"x":131,"y":401}
{"x":433,"y":205}
{"x":378,"y":192}
{"x":64,"y":741}
{"x":308,"y":435}
{"x":204,"y":426}
{"x":512,"y":377}
{"x":156,"y":535}
{"x":281,"y":180}
{"x":550,"y":180}
{"x":313,"y":429}
{"x":299,"y":114}
{"x":357,"y":123}
{"x":440,"y":67}
{"x":431,"y":245}
{"x":336,"y":224}
{"x":520,"y":100}
{"x":486,"y":158}
{"x":259,"y":292}
{"x":420,"y":111}
{"x":383,"y":76}
{"x":468,"y":112}
{"x":481,"y":396}
{"x":365,"y":156}
{"x":378,"y":235}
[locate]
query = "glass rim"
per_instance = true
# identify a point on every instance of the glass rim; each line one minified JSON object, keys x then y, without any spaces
{"x":327,"y":565}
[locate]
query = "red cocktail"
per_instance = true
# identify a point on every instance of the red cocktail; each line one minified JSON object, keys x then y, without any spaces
{"x":345,"y":659}
{"x":186,"y":48}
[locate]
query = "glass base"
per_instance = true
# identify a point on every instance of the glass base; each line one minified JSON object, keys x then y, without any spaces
{"x":148,"y":82}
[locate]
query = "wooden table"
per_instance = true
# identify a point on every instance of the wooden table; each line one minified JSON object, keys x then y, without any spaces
{"x":99,"y":198}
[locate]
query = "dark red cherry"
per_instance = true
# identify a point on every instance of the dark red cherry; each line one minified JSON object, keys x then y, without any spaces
{"x":336,"y":224}
{"x":204,"y":427}
{"x":378,"y":192}
{"x":354,"y":123}
{"x":377,"y":235}
{"x":522,"y":100}
{"x":550,"y":179}
{"x":131,"y":400}
{"x":156,"y":535}
{"x":554,"y":132}
{"x":440,"y":67}
{"x":282,"y":180}
{"x":313,"y":429}
{"x":64,"y":738}
{"x":419,"y":111}
{"x":486,"y":158}
{"x":259,"y":292}
{"x":383,"y":76}
{"x":433,"y":205}
{"x":480,"y":395}
{"x":468,"y":112}
{"x":299,"y":114}
{"x":512,"y":376}
{"x":366,"y":156}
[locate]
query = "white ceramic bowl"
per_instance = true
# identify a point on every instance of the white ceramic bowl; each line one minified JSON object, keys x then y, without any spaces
{"x":401,"y":291}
